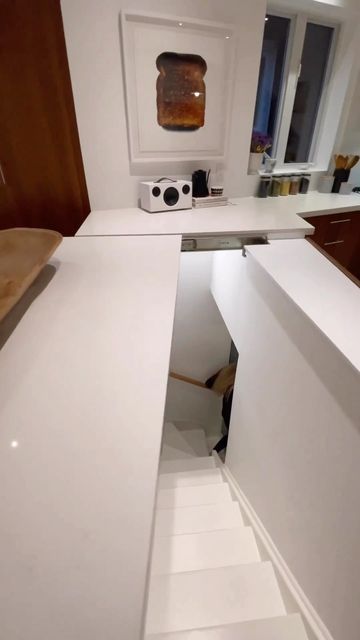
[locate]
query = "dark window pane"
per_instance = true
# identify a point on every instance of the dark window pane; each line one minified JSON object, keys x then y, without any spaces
{"x":314,"y":61}
{"x":271,"y":74}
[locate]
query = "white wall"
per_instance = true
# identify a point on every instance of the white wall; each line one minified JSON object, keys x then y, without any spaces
{"x":201,"y":344}
{"x":348,"y":136}
{"x":201,"y":341}
{"x":94,"y":52}
{"x":350,"y":142}
{"x":294,"y":444}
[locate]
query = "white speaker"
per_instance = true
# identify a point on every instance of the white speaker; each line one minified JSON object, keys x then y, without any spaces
{"x":166,"y":196}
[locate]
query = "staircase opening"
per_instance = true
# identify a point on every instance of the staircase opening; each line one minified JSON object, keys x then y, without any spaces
{"x":209,"y":577}
{"x":201,"y":347}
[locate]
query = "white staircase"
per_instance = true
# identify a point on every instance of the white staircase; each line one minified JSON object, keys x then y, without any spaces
{"x":207,"y":578}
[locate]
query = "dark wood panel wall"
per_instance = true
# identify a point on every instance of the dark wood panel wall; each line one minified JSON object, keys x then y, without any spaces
{"x":42,"y":180}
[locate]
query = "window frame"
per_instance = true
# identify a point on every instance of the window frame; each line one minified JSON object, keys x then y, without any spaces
{"x":291,"y":74}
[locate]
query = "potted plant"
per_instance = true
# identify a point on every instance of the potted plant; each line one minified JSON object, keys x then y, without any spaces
{"x":260,"y":142}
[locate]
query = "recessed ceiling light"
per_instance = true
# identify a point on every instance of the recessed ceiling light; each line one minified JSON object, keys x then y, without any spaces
{"x":180,"y":24}
{"x":266,"y":19}
{"x":14,"y":444}
{"x":227,"y":37}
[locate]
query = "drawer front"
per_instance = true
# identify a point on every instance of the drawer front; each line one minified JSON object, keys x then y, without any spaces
{"x":338,"y":235}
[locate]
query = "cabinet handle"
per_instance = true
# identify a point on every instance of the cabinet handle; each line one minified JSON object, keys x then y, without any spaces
{"x":338,"y":221}
{"x":2,"y":176}
{"x":327,"y":244}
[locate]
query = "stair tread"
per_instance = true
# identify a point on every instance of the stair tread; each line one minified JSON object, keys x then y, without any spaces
{"x":289,"y":627}
{"x":171,"y":453}
{"x":187,"y":464}
{"x":189,"y":478}
{"x":194,"y":519}
{"x":213,"y":597}
{"x":206,"y":550}
{"x":173,"y":438}
{"x":196,"y":439}
{"x":187,"y":496}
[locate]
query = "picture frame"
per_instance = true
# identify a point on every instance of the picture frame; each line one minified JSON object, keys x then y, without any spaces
{"x":145,"y":39}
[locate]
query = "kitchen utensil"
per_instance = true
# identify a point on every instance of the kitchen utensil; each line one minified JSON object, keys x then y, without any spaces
{"x":340,"y":176}
{"x":352,"y":162}
{"x":340,"y":161}
{"x":346,"y":188}
{"x":349,"y":161}
{"x":200,"y":184}
{"x":326,"y":184}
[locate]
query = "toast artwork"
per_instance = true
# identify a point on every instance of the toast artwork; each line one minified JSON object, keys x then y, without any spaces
{"x":181,"y":91}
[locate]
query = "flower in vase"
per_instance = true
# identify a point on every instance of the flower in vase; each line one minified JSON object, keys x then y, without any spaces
{"x":260,"y":142}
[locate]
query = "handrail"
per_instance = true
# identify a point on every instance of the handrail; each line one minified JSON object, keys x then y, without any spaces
{"x":193,"y":381}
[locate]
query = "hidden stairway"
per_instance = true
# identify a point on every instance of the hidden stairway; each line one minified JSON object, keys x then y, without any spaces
{"x":208,"y":581}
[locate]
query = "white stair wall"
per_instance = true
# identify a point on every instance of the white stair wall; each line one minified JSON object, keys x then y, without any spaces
{"x":206,"y":550}
{"x":196,"y":440}
{"x":189,"y":478}
{"x":187,"y":496}
{"x":173,"y":438}
{"x":189,"y":464}
{"x":213,"y":597}
{"x":206,"y":517}
{"x":171,"y":453}
{"x":283,"y":628}
{"x":187,"y":403}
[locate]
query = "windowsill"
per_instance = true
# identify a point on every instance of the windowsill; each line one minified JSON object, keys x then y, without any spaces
{"x":286,"y":170}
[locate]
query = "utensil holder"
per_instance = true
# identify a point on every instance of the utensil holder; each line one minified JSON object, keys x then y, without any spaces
{"x":340,"y":176}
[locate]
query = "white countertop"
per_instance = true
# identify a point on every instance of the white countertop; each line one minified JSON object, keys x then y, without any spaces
{"x":83,"y":381}
{"x":279,"y":217}
{"x":318,"y":288}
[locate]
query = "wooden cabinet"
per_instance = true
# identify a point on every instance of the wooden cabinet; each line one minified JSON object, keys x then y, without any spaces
{"x":42,"y":181}
{"x":338,"y":235}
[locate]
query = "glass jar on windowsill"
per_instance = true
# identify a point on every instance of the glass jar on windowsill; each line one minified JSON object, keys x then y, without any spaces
{"x":255,"y":162}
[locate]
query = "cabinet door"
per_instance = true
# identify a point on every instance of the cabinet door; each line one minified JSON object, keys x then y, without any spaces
{"x":321,"y":224}
{"x":43,"y":182}
{"x":338,"y":235}
{"x":355,"y":260}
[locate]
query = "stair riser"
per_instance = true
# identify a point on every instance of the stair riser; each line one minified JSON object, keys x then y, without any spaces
{"x":188,"y":496}
{"x":189,"y":464}
{"x":190,"y":478}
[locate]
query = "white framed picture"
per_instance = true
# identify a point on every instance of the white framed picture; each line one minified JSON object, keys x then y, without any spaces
{"x":178,"y":80}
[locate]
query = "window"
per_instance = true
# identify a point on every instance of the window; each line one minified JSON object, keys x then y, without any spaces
{"x":294,"y":69}
{"x":273,"y":54}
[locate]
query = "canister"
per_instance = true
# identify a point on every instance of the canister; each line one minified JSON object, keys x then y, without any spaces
{"x":294,"y":185}
{"x":305,"y":183}
{"x":285,"y":185}
{"x":275,"y":186}
{"x":264,"y":187}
